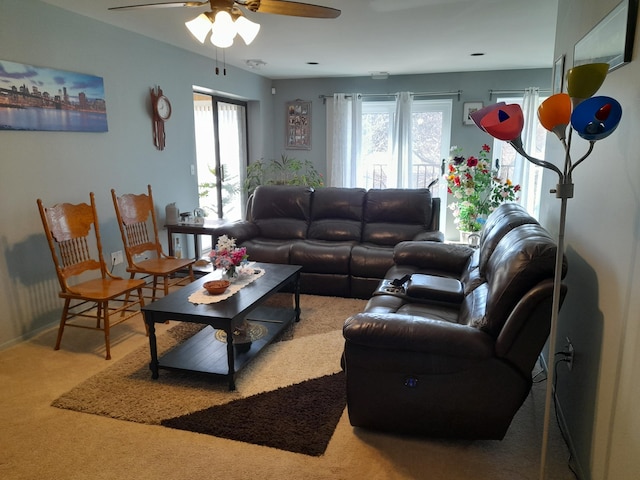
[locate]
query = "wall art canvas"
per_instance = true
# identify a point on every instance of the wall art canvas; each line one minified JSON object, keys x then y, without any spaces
{"x":46,"y":99}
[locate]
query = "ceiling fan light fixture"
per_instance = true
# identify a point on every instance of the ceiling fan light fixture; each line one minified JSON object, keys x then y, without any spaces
{"x":247,"y":29}
{"x":220,"y":39}
{"x":199,"y":27}
{"x":224,"y":24}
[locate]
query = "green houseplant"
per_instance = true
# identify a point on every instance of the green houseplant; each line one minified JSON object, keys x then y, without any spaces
{"x":283,"y":171}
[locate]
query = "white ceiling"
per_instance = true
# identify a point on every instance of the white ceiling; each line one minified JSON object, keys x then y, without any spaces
{"x":394,"y":36}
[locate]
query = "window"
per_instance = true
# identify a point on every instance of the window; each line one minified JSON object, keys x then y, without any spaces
{"x":430,"y":139}
{"x":520,"y":170}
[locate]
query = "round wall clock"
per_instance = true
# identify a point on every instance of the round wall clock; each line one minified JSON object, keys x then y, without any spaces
{"x":161,"y":111}
{"x":163,"y":108}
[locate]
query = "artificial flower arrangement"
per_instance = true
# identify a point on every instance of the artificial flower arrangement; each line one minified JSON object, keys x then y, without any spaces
{"x":476,"y":188}
{"x":226,"y":256}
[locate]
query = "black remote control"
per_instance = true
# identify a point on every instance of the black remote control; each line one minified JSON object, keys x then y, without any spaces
{"x":400,"y":281}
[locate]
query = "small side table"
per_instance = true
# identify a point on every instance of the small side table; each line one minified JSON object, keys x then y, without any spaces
{"x":209,"y":228}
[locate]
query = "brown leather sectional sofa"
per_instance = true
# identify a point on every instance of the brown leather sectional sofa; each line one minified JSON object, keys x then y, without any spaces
{"x":342,"y":237}
{"x":449,"y":353}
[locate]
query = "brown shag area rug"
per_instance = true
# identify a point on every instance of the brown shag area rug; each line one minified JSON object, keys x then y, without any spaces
{"x":300,"y":418}
{"x":290,"y":397}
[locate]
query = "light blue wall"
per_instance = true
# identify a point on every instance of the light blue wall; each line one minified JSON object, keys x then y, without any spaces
{"x":66,"y":166}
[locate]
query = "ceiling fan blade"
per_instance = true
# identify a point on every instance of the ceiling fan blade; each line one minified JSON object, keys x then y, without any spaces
{"x":294,"y":9}
{"x":161,"y":5}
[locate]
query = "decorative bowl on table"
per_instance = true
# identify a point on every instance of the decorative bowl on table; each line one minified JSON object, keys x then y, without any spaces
{"x":216,"y":287}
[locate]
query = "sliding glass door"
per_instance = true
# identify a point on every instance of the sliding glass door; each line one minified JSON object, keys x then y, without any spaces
{"x":221,"y":151}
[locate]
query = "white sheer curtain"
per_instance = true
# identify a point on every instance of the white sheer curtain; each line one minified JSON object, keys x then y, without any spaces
{"x":205,"y":141}
{"x":344,"y":125}
{"x":402,"y":141}
{"x":525,"y":171}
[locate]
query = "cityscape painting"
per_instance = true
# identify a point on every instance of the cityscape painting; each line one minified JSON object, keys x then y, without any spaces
{"x":40,"y":98}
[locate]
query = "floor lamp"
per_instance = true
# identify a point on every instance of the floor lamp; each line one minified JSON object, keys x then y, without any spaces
{"x":592,"y":118}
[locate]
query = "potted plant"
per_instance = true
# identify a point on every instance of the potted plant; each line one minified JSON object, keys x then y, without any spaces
{"x":476,"y":189}
{"x":285,"y":171}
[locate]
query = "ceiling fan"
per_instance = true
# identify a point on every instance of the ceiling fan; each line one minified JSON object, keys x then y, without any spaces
{"x":278,"y":7}
{"x":225,"y":20}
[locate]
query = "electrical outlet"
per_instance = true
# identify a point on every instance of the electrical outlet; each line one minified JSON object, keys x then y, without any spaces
{"x":116,"y":258}
{"x":570,"y":351}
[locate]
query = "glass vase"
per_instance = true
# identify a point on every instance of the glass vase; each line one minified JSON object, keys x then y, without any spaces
{"x":230,"y":274}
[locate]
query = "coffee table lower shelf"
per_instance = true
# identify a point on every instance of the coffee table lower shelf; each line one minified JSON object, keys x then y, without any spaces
{"x":204,"y":353}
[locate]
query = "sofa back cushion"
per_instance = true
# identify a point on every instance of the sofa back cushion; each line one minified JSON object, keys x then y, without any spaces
{"x":336,"y":214}
{"x":501,"y":221}
{"x":281,"y":212}
{"x":392,"y":216}
{"x":524,"y":257}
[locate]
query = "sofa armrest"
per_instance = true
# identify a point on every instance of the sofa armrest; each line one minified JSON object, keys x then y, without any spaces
{"x":433,"y":255}
{"x":431,"y":236}
{"x":392,"y":331}
{"x":240,"y":230}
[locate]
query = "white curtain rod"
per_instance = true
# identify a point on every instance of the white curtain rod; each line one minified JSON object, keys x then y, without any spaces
{"x":511,"y":92}
{"x":419,"y":94}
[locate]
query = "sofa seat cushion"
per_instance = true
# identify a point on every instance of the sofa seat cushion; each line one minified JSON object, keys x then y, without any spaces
{"x":371,"y":261}
{"x":320,"y":256}
{"x":417,"y":333}
{"x":269,"y":250}
{"x":384,"y":304}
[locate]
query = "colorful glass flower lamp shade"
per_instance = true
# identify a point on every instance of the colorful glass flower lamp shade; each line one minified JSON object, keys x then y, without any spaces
{"x":584,"y":81}
{"x":593,"y":119}
{"x":554,"y":114}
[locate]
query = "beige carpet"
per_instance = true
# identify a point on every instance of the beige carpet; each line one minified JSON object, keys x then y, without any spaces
{"x":40,"y":441}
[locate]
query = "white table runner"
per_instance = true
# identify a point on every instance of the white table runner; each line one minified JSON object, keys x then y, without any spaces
{"x":247,"y":276}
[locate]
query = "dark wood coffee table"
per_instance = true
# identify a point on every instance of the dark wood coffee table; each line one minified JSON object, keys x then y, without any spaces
{"x":203,"y":352}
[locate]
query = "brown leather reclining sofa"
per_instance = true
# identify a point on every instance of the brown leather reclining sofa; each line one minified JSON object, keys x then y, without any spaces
{"x":449,"y":353}
{"x":342,"y":237}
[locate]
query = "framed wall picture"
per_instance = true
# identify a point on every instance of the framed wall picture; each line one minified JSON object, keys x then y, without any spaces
{"x":298,"y":127}
{"x":611,"y":40}
{"x":47,"y":99}
{"x":468,"y":109}
{"x":558,"y":74}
